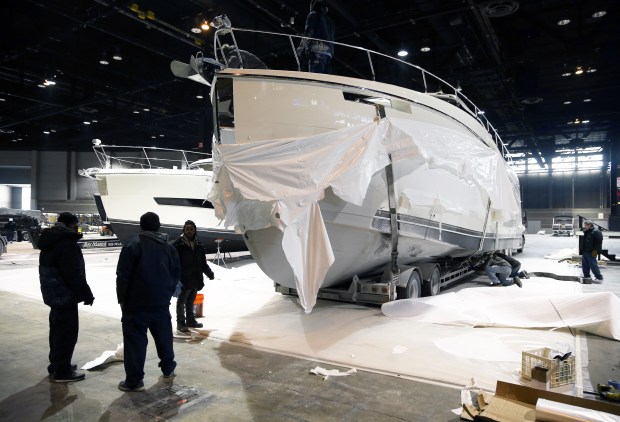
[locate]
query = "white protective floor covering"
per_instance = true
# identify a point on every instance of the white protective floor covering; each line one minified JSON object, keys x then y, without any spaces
{"x":438,"y":345}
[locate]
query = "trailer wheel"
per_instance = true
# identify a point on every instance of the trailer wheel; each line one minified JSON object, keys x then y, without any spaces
{"x":432,"y":285}
{"x":413,"y":288}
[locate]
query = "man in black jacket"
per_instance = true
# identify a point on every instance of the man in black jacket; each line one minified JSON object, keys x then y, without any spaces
{"x":146,"y":277}
{"x":63,"y":284}
{"x":592,"y":245}
{"x":193,"y":259}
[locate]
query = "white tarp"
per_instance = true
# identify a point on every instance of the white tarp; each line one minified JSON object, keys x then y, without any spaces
{"x":279,"y":183}
{"x":597,"y":313}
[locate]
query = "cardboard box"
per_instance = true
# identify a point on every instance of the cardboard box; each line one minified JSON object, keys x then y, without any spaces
{"x":517,"y":403}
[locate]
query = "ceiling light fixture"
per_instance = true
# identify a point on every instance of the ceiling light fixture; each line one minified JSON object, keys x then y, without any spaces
{"x":599,"y":14}
{"x":563,"y":22}
{"x":567,"y":102}
{"x":117,"y":57}
{"x":579,"y":70}
{"x":200,"y":97}
{"x":585,"y":121}
{"x":46,"y":131}
{"x":49,"y":82}
{"x":136,"y":112}
{"x":480,"y":112}
{"x":587,"y":100}
{"x":86,"y":122}
{"x":104,"y":62}
{"x":425,"y":49}
{"x":146,"y":109}
{"x":566,"y":74}
{"x":591,"y":70}
{"x":205,"y":26}
{"x":402,"y":53}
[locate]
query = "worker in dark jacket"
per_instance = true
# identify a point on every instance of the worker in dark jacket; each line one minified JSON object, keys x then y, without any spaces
{"x":318,"y":25}
{"x":499,"y":270}
{"x":146,"y":277}
{"x":515,"y":264}
{"x":193,"y":259}
{"x":9,"y":230}
{"x":592,"y":245}
{"x":62,"y":276}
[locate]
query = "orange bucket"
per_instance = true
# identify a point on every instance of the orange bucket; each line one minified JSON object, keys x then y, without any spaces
{"x":198,"y":305}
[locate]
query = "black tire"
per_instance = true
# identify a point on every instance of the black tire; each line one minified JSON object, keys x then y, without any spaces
{"x":413,"y":288}
{"x":432,"y":286}
{"x":25,"y":236}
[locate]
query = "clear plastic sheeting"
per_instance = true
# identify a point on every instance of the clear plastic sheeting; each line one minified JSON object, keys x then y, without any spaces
{"x":279,"y":183}
{"x":551,"y":411}
{"x":596,"y":313}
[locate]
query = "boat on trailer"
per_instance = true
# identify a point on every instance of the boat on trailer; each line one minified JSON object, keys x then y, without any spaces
{"x":352,"y":188}
{"x":133,"y":180}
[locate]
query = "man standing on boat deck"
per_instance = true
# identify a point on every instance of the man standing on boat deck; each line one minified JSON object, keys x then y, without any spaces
{"x":592,"y":245}
{"x":192,"y":256}
{"x":146,"y":277}
{"x":318,"y":25}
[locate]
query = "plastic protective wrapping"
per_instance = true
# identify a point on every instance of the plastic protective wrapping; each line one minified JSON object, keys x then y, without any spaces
{"x":279,"y":183}
{"x":596,"y":313}
{"x":552,"y":411}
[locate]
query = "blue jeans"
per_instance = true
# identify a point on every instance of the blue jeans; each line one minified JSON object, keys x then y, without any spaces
{"x":588,"y":262}
{"x":319,"y":63}
{"x":135,"y":324}
{"x":498,"y":274}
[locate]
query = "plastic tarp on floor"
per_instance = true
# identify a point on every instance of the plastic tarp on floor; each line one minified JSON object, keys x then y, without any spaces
{"x":279,"y":183}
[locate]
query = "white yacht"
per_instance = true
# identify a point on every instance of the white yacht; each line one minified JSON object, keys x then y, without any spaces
{"x":334,"y":179}
{"x":171,"y":183}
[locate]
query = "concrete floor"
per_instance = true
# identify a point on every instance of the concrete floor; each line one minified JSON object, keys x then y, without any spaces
{"x":223,"y":381}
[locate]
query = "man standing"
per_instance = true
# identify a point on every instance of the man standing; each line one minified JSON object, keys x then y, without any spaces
{"x":9,"y":230}
{"x":592,"y":245}
{"x":62,"y":276}
{"x":146,"y":277}
{"x":318,"y":25}
{"x":193,"y":259}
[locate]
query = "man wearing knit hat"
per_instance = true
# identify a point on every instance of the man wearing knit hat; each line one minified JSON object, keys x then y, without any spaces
{"x":146,"y":277}
{"x":193,"y":259}
{"x":62,"y":275}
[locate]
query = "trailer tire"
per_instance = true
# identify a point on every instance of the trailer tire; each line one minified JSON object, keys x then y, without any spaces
{"x":412,"y":289}
{"x":432,"y":286}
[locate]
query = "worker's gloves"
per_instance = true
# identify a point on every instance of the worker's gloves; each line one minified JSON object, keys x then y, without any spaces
{"x":594,"y":253}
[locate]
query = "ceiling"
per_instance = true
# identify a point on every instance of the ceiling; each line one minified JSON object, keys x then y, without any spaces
{"x":508,"y":56}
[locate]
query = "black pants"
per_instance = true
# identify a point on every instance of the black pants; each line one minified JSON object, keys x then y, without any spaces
{"x":135,"y":325}
{"x":185,"y":306}
{"x":64,"y":327}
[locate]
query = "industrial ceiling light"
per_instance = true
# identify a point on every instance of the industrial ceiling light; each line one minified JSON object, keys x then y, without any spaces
{"x":403,"y":53}
{"x":585,"y":121}
{"x":587,"y":100}
{"x":46,"y":131}
{"x":117,"y":55}
{"x":563,"y":22}
{"x":425,"y":49}
{"x":49,"y":82}
{"x":480,"y":111}
{"x":599,"y":14}
{"x":591,"y":70}
{"x":579,"y":70}
{"x":146,"y":109}
{"x":205,"y":26}
{"x":199,"y":96}
{"x":86,"y":122}
{"x":566,"y":74}
{"x":567,"y":102}
{"x":136,"y":112}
